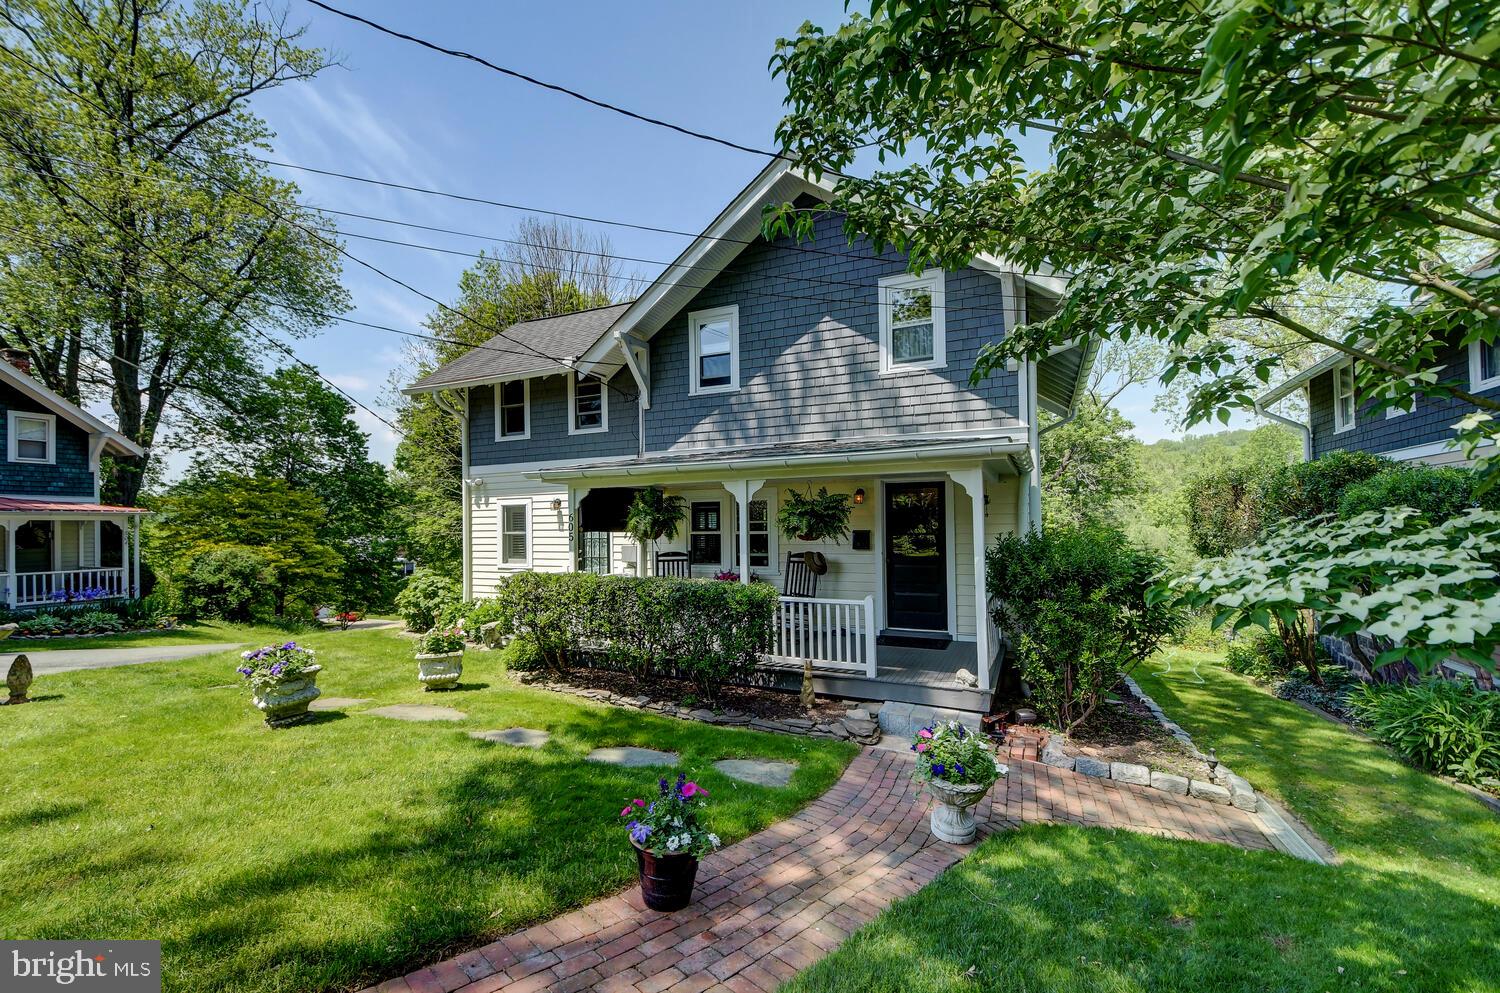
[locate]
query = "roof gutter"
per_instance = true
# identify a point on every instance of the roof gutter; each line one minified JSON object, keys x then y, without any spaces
{"x":1007,"y":447}
{"x":1302,"y":429}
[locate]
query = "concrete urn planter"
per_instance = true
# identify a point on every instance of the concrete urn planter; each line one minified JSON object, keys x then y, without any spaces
{"x":284,"y":701}
{"x":952,"y":816}
{"x":440,"y":672}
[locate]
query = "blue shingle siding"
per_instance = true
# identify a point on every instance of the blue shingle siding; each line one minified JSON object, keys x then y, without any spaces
{"x":549,"y":439}
{"x":70,"y":477}
{"x":810,"y":353}
{"x":1431,"y":420}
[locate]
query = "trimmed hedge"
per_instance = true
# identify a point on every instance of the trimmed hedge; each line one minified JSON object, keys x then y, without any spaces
{"x":1439,"y":493}
{"x":1306,"y":490}
{"x":707,"y":632}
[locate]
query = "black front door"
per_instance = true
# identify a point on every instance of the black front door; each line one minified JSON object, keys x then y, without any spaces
{"x":916,"y":562}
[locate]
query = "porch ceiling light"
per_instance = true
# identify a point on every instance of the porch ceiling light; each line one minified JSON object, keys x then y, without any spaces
{"x":859,"y":495}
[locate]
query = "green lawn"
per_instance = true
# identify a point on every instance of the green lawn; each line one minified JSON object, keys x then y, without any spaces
{"x":205,"y":633}
{"x":1412,"y":907}
{"x":152,"y":802}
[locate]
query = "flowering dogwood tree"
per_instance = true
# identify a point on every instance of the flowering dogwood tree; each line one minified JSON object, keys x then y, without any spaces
{"x":1424,"y":592}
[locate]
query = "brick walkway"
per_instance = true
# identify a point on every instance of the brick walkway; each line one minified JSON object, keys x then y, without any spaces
{"x":775,"y":903}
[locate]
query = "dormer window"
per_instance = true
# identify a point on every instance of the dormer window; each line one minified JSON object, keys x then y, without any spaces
{"x":714,"y":340}
{"x":512,"y":413}
{"x":912,"y":328}
{"x":33,"y":437}
{"x":589,"y":402}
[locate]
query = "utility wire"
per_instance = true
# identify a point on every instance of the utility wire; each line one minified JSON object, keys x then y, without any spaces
{"x":556,"y":88}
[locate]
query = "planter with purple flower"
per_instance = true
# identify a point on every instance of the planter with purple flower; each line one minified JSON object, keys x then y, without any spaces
{"x":283,"y":681}
{"x":440,"y":658}
{"x":669,"y":841}
{"x":959,"y":769}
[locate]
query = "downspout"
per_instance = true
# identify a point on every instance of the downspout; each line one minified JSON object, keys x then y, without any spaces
{"x":466,"y":552}
{"x":1302,"y":429}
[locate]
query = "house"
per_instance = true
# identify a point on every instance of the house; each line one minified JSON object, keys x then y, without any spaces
{"x":61,"y":545}
{"x":750,"y":369}
{"x":1338,"y":419}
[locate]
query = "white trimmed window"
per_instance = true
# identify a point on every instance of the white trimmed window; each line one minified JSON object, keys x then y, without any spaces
{"x":1343,"y":397}
{"x":589,"y":401}
{"x":714,"y":343}
{"x":515,"y":534}
{"x":1484,"y":364}
{"x":705,"y":535}
{"x":33,"y":437}
{"x":760,"y":533}
{"x":913,"y":333}
{"x":513,"y":410}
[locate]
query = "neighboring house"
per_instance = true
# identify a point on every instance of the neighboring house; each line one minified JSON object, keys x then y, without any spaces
{"x":1338,"y":419}
{"x":60,"y":543}
{"x":750,"y":368}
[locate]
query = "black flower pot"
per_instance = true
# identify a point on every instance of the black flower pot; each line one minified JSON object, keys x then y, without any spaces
{"x":666,"y":880}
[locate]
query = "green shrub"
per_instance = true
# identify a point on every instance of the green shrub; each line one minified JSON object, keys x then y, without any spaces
{"x":426,"y":597}
{"x":523,"y":654}
{"x":1074,"y":599}
{"x":1261,"y":656}
{"x":710,"y":633}
{"x":1224,"y":508}
{"x":1330,"y":693}
{"x":1438,"y":725}
{"x":472,"y":614}
{"x":1305,"y":490}
{"x":1438,"y":492}
{"x":231,"y":582}
{"x":1199,"y":634}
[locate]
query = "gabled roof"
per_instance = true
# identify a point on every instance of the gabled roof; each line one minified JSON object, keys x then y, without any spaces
{"x":114,"y":441}
{"x":545,"y":346}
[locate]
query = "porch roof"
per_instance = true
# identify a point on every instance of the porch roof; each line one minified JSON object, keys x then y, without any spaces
{"x":804,"y":454}
{"x":27,"y":505}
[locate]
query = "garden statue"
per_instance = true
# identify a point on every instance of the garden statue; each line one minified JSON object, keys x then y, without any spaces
{"x":18,"y":679}
{"x":809,"y":698}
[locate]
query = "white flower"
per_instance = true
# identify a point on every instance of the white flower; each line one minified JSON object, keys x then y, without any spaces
{"x":713,"y":839}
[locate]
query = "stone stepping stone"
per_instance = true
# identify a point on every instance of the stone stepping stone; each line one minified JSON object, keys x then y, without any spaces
{"x":632,"y":757}
{"x":758,"y":771}
{"x":417,"y":712}
{"x":337,"y":702}
{"x":520,"y":737}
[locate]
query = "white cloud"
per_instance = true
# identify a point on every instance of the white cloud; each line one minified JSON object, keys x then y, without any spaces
{"x":349,"y":381}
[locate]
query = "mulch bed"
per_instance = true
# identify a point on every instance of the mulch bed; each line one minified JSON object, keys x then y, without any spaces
{"x":753,"y":700}
{"x":1123,"y":730}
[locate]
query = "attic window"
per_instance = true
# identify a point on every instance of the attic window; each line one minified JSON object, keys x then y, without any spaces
{"x":33,"y":437}
{"x":714,"y":340}
{"x":589,"y":404}
{"x":512,"y":416}
{"x":912,"y":327}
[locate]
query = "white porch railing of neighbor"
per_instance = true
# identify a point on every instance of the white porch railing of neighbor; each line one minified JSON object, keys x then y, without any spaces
{"x":834,"y":634}
{"x":30,"y":589}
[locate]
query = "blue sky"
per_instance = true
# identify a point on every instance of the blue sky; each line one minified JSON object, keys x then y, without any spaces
{"x":395,"y":111}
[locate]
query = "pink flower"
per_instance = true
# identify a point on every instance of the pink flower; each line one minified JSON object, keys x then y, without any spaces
{"x":693,"y":789}
{"x":626,"y":811}
{"x":640,"y":803}
{"x":922,"y":746}
{"x":924,"y":733}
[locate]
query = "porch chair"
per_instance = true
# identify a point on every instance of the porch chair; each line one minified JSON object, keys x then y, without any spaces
{"x":674,"y":564}
{"x":800,"y":580}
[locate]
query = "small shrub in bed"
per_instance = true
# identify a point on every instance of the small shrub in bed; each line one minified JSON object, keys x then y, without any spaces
{"x":1442,"y":726}
{"x":523,"y":654}
{"x":708,"y":633}
{"x":1261,"y":656}
{"x":1331,"y":697}
{"x":426,"y":598}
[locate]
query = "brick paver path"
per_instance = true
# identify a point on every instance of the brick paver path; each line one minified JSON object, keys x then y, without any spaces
{"x":775,"y":903}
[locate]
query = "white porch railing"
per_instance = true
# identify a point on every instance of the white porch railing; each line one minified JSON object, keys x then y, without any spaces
{"x":32,"y":589}
{"x":835,"y":634}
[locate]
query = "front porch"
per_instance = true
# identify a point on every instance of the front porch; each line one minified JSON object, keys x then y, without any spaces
{"x":896,"y":611}
{"x":58,"y":552}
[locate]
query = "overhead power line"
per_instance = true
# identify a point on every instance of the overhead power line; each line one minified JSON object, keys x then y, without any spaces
{"x":554,"y":87}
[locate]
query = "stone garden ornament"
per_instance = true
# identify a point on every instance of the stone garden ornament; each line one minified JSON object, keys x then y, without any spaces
{"x":958,"y":768}
{"x":283,"y":681}
{"x":440,"y":658}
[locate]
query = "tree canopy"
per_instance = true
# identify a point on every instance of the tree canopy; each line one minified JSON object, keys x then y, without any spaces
{"x":1210,"y":163}
{"x":146,"y":260}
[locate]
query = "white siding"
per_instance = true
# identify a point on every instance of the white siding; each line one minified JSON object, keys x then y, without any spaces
{"x":549,"y":530}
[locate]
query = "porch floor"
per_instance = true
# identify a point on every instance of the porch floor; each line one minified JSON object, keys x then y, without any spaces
{"x":908,"y":675}
{"x":925,"y":666}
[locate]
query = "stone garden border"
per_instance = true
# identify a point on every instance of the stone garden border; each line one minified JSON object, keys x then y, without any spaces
{"x":1227,"y":788}
{"x":857,"y":725}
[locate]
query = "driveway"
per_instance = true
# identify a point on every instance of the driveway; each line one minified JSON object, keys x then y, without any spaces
{"x":69,"y":659}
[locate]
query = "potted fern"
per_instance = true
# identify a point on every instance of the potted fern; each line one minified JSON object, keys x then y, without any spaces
{"x":654,"y":515}
{"x":824,"y":517}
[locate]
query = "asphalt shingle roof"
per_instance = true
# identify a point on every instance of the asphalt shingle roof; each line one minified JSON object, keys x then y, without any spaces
{"x":526,"y":348}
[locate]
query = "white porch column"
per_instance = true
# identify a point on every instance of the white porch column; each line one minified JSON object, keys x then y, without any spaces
{"x":575,"y":533}
{"x":135,"y":559}
{"x":741,"y":490}
{"x":972,"y":482}
{"x":10,"y":563}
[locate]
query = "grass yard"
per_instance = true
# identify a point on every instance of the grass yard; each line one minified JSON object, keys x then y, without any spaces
{"x":150,"y":801}
{"x":206,"y":633}
{"x":1412,"y":907}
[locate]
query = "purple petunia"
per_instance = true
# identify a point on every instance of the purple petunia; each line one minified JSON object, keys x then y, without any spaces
{"x":938,"y":769}
{"x":639,"y":832}
{"x":276,"y":669}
